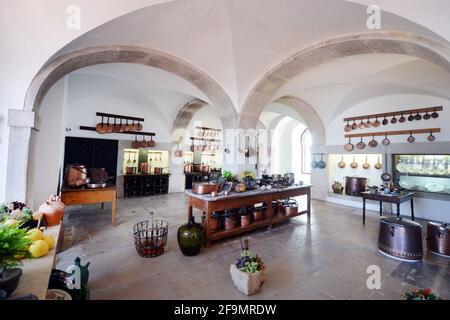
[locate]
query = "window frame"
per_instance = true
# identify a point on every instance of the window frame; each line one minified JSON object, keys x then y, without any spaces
{"x":303,"y":151}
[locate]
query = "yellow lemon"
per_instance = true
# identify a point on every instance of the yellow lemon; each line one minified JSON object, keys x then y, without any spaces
{"x":50,"y":241}
{"x":39,"y":248}
{"x":35,"y":235}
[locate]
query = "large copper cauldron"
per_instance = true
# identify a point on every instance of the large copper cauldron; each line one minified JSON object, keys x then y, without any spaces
{"x":355,"y":185}
{"x":400,"y":238}
{"x":75,"y":175}
{"x":438,"y":238}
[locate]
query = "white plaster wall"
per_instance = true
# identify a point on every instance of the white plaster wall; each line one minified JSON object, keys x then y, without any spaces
{"x":47,"y":147}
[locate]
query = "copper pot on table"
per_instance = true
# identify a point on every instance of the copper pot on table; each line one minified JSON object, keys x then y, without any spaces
{"x":205,"y":187}
{"x":75,"y":175}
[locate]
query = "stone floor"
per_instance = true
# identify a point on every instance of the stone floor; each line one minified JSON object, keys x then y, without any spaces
{"x":325,"y":257}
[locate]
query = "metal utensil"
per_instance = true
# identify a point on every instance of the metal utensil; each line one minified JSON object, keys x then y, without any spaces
{"x":341,"y":164}
{"x":373,"y":143}
{"x":135,"y":144}
{"x":129,"y":159}
{"x":322,"y":164}
{"x":101,"y":127}
{"x":366,"y":164}
{"x":368,"y":123}
{"x":354,"y":125}
{"x":394,"y":120}
{"x":348,"y":127}
{"x":378,"y":165}
{"x":386,"y":141}
{"x":361,"y":145}
{"x":411,"y":139}
{"x":418,"y":117}
{"x":134,"y":158}
{"x":385,"y":176}
{"x":349,"y":146}
{"x":385,"y":121}
{"x":143,"y":143}
{"x":354,"y":164}
{"x":362,"y":124}
{"x":402,"y":118}
{"x":376,"y":123}
{"x":431,"y":137}
{"x":426,"y":116}
{"x":410,"y":117}
{"x":314,"y":163}
{"x":151,"y":143}
{"x":435,"y":115}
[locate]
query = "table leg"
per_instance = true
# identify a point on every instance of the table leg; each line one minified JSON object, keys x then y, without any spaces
{"x":207,"y":242}
{"x":398,"y":209}
{"x":412,"y":209}
{"x":381,"y":208}
{"x":364,"y":211}
{"x":113,"y":211}
{"x":308,"y":204}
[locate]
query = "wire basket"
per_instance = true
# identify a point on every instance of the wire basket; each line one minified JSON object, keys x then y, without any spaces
{"x":150,"y":237}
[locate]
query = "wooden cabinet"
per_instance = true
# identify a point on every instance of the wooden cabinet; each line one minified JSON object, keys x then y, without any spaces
{"x":144,"y":185}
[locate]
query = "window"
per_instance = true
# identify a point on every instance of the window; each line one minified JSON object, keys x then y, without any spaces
{"x":305,"y":144}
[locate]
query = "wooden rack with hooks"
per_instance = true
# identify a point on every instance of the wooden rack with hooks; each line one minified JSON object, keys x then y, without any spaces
{"x":394,"y":114}
{"x":139,"y":133}
{"x":393,"y":133}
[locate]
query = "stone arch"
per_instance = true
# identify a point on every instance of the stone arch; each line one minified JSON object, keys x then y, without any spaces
{"x":57,"y":68}
{"x":186,"y":114}
{"x":307,"y":112}
{"x":394,"y":42}
{"x":21,"y":122}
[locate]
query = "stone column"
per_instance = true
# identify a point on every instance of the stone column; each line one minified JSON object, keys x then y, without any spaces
{"x":20,"y":123}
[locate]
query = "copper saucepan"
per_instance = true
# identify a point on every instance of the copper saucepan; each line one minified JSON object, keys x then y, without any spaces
{"x":135,"y":144}
{"x":349,"y":146}
{"x":354,"y":164}
{"x":151,"y":143}
{"x":101,"y":127}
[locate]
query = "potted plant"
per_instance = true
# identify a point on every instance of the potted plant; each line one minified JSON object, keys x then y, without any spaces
{"x":248,"y":273}
{"x":248,"y":177}
{"x":228,"y":176}
{"x":14,"y":246}
{"x":17,"y":213}
{"x":422,"y":294}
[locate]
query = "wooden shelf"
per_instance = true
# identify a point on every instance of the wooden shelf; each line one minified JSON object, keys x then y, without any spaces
{"x":118,"y":116}
{"x":208,"y":129}
{"x":393,"y":133}
{"x":205,"y":139}
{"x":238,"y":230}
{"x":392,"y":114}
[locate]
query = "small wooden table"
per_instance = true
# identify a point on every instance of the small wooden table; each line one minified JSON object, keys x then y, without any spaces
{"x":397,"y":199}
{"x":209,"y":204}
{"x":72,"y":196}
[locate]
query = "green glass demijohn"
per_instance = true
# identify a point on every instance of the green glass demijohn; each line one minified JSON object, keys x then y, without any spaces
{"x":190,"y":237}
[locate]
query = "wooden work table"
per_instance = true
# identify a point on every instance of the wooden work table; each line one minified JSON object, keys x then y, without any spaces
{"x":36,"y":272}
{"x":209,"y":204}
{"x":78,"y":196}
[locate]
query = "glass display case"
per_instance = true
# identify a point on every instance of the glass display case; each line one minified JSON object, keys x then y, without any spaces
{"x":422,"y":172}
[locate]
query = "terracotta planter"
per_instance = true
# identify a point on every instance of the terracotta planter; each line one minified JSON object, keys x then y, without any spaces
{"x":247,"y":283}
